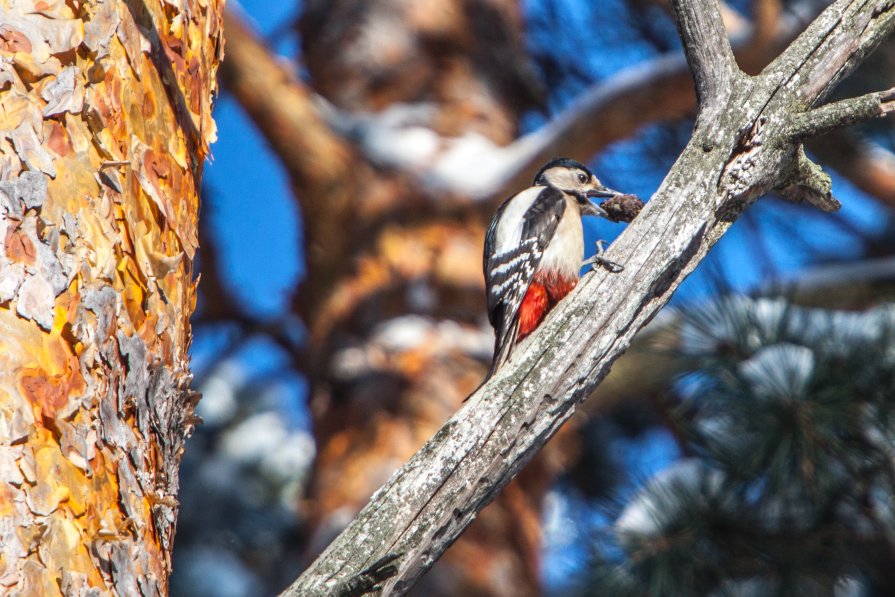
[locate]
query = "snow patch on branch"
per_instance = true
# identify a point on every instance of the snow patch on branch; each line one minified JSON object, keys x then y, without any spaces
{"x":402,"y":137}
{"x":471,"y":165}
{"x":411,"y":333}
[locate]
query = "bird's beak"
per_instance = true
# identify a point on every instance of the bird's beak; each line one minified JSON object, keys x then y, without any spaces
{"x":602,"y":192}
{"x":590,"y":209}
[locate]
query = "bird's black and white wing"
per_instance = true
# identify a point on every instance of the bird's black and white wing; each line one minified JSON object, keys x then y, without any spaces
{"x":514,"y":244}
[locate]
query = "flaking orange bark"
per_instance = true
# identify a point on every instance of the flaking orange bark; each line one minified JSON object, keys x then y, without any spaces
{"x":96,"y":285}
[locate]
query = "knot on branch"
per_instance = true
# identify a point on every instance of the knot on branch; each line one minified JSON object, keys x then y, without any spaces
{"x":367,"y":581}
{"x":803,"y":181}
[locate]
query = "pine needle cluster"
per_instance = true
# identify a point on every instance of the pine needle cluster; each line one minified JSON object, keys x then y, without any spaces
{"x":787,"y":418}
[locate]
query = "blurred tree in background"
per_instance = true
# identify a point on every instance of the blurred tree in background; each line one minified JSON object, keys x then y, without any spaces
{"x":740,"y":447}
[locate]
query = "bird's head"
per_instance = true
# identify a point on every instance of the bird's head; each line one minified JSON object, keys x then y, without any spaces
{"x":575,"y":179}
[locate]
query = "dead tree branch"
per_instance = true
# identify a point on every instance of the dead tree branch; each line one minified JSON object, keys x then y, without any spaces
{"x":803,"y":181}
{"x":729,"y":162}
{"x":708,"y":51}
{"x":840,"y":114}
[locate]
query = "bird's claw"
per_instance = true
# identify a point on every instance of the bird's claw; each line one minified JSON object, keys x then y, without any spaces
{"x":598,"y":260}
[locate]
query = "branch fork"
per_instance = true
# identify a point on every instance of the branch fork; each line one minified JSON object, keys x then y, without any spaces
{"x":804,"y":181}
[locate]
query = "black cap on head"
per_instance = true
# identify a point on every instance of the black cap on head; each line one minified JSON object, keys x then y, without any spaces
{"x":559,"y":162}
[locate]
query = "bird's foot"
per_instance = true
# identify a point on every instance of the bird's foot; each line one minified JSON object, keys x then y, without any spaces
{"x":598,"y":260}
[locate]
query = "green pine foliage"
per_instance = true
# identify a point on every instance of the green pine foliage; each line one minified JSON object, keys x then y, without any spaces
{"x":788,"y":420}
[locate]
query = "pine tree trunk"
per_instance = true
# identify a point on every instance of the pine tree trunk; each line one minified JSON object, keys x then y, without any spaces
{"x":105,"y":109}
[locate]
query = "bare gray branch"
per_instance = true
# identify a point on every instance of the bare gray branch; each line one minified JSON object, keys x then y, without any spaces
{"x":840,"y":114}
{"x":707,"y":49}
{"x":840,"y":38}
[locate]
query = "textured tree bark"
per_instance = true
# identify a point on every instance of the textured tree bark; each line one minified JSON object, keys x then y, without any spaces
{"x":105,"y":109}
{"x":740,"y":149}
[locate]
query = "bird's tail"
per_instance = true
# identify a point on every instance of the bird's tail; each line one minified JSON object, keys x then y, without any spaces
{"x":503,"y":349}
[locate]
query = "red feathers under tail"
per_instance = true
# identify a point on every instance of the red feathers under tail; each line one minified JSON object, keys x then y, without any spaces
{"x":543,"y":294}
{"x":532,"y":310}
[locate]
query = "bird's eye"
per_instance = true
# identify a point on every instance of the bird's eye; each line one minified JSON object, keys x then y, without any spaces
{"x":582,"y":177}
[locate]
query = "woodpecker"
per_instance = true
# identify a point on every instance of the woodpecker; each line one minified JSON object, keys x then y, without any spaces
{"x":534,"y":250}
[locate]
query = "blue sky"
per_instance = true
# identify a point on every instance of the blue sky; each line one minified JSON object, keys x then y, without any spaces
{"x":250,"y":205}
